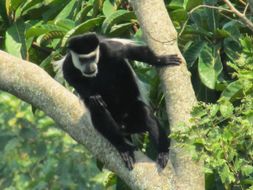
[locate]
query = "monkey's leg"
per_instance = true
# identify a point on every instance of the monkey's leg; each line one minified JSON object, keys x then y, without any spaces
{"x":141,"y":119}
{"x":106,"y":125}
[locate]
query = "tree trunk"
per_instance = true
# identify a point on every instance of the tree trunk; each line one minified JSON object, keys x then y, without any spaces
{"x":161,"y":36}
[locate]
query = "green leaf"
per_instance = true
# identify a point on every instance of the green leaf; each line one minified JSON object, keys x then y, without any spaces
{"x":28,"y":133}
{"x":209,"y":66}
{"x":193,"y":52}
{"x":226,"y":108}
{"x":190,"y":4}
{"x":232,"y":90}
{"x":233,"y":28}
{"x":213,"y":110}
{"x":212,"y":17}
{"x":14,"y":4}
{"x":83,"y":13}
{"x":4,"y":138}
{"x":43,"y":29}
{"x":176,"y":4}
{"x":68,"y":10}
{"x":46,"y":64}
{"x":249,"y":182}
{"x":247,"y":170}
{"x":97,"y":6}
{"x":31,"y":5}
{"x":53,"y":9}
{"x":226,"y":175}
{"x":82,"y":28}
{"x":230,"y":48}
{"x":107,"y":178}
{"x":221,"y":34}
{"x":41,"y":149}
{"x":15,"y":39}
{"x":179,"y":15}
{"x":65,"y":23}
{"x":108,"y":8}
{"x":119,"y":30}
{"x":115,"y":18}
{"x":11,"y":145}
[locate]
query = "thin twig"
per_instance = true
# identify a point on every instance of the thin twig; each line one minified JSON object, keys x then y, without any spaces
{"x":246,"y":8}
{"x":210,"y":7}
{"x":242,"y":2}
{"x":242,"y":16}
{"x":198,"y":7}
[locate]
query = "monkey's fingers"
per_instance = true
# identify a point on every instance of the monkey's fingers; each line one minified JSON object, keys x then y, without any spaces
{"x":101,"y":102}
{"x":128,"y":158}
{"x":166,"y":60}
{"x":97,"y":100}
{"x":162,"y":159}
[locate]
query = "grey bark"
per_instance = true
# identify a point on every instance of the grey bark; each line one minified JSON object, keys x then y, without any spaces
{"x":161,"y":36}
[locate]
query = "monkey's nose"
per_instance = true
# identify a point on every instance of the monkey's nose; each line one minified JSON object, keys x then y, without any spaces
{"x":93,"y":67}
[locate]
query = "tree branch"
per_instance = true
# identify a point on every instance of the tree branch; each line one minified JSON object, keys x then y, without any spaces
{"x":180,"y":98}
{"x":33,"y":85}
{"x":242,"y":16}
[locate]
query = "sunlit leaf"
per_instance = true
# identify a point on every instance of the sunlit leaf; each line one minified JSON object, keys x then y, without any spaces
{"x":108,"y":8}
{"x":116,"y":18}
{"x":118,"y":30}
{"x":15,"y":39}
{"x":43,"y":29}
{"x":247,"y":170}
{"x":190,"y":4}
{"x":232,"y":90}
{"x":209,"y":66}
{"x":53,"y":9}
{"x":83,"y":13}
{"x":226,"y":108}
{"x":179,"y":15}
{"x":29,"y":5}
{"x":82,"y":28}
{"x":68,"y":10}
{"x":65,"y":23}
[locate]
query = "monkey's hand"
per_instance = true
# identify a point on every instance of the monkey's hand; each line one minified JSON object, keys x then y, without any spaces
{"x":127,"y":155}
{"x":162,"y":159}
{"x":166,"y":60}
{"x":96,"y":101}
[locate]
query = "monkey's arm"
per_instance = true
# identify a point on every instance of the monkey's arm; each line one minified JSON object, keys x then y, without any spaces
{"x":145,"y":54}
{"x":129,"y":50}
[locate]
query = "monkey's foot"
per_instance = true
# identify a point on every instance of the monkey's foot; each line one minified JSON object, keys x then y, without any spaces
{"x":128,"y":158}
{"x":162,"y":159}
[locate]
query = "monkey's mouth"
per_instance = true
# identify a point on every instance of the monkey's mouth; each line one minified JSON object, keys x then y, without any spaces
{"x":90,"y":74}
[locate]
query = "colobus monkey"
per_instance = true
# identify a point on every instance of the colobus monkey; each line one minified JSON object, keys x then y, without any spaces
{"x":96,"y":67}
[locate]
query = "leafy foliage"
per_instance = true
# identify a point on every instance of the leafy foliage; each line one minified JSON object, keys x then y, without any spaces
{"x":222,"y":133}
{"x":36,"y":155}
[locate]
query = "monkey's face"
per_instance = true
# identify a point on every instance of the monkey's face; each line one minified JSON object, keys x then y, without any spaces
{"x":84,"y":50}
{"x":86,"y":63}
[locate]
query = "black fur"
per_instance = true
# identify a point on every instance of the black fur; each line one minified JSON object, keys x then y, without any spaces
{"x":112,"y":95}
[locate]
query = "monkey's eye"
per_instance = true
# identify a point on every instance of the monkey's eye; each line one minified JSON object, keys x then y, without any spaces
{"x":87,"y":59}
